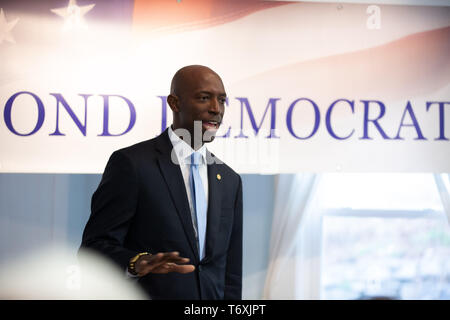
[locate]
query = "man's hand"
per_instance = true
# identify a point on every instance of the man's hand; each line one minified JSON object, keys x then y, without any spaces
{"x":163,"y":263}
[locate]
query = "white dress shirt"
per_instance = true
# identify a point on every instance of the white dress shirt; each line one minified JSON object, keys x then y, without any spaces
{"x":183,"y":153}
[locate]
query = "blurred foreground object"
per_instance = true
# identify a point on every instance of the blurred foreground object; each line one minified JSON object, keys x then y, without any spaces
{"x":56,"y":274}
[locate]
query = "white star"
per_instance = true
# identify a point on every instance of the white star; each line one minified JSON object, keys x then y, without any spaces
{"x":6,"y":27}
{"x":73,"y":15}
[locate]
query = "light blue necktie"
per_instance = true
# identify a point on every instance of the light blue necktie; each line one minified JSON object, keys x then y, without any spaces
{"x":199,"y":201}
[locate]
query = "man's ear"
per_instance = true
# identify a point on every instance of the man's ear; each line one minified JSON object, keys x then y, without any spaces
{"x":172,"y":100}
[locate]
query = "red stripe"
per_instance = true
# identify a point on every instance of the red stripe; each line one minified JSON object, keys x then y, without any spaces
{"x":166,"y":16}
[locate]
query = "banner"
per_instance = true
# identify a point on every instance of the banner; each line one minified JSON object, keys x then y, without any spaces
{"x":311,"y":86}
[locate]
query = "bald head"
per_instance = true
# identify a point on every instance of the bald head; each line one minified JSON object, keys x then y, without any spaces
{"x":197,"y":94}
{"x":184,"y":78}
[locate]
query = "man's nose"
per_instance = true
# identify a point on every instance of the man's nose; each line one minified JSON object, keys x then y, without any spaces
{"x":214,"y":106}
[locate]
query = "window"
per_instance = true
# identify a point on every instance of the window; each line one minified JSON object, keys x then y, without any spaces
{"x":383,"y":235}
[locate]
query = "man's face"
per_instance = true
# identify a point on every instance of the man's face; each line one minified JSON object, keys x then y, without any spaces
{"x":201,"y":98}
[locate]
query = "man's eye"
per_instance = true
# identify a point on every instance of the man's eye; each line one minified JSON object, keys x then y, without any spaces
{"x":203,"y":98}
{"x":223,"y":101}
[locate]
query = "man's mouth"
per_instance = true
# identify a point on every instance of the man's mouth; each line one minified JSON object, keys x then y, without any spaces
{"x":211,"y":125}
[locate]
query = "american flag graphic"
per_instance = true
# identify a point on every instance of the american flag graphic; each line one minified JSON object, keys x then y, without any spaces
{"x":262,"y":50}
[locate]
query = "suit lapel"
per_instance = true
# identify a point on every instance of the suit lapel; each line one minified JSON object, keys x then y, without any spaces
{"x":214,"y":206}
{"x":174,"y":180}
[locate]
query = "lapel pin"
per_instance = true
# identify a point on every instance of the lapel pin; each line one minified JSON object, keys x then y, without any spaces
{"x":219,"y":177}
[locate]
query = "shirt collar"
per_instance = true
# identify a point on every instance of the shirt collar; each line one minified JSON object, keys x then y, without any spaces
{"x":183,"y":150}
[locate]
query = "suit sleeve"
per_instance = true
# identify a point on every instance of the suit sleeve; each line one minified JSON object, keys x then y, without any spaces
{"x":112,"y":209}
{"x":233,"y":274}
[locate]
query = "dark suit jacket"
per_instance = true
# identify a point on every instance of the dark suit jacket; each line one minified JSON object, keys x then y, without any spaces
{"x":141,"y":205}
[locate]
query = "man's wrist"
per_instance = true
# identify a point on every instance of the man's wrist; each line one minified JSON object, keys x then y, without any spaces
{"x":132,"y":263}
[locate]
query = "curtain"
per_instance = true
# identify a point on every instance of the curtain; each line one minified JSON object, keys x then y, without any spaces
{"x":294,"y":254}
{"x":443,"y":186}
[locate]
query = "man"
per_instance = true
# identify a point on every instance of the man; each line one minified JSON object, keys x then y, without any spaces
{"x":168,"y":201}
